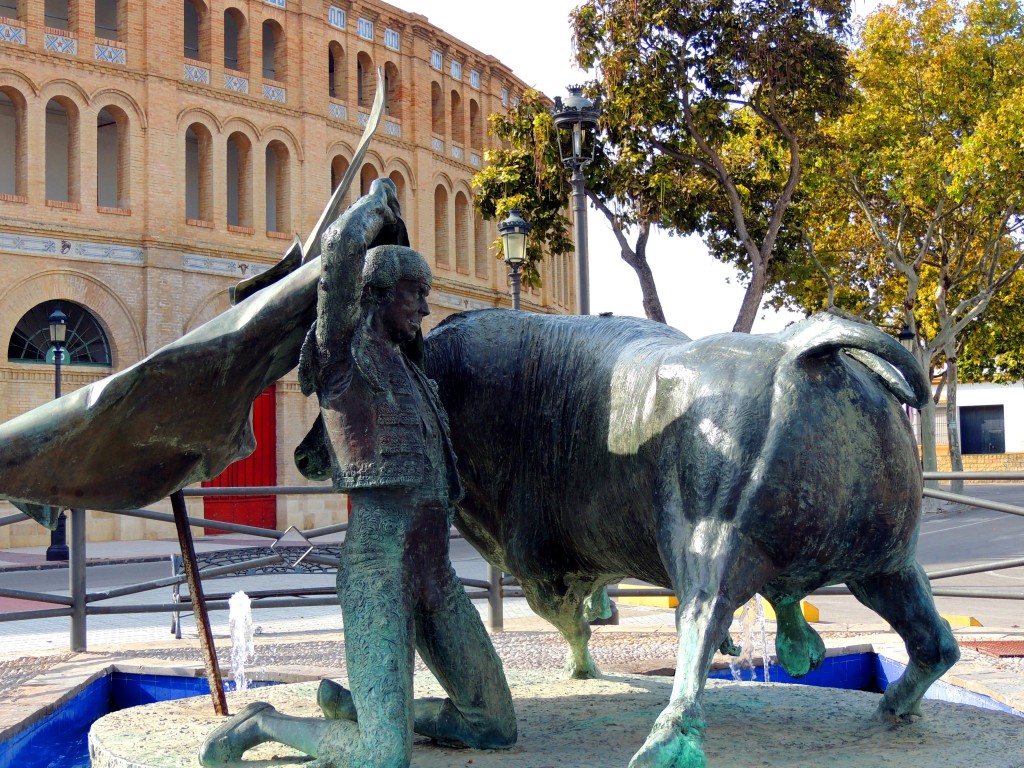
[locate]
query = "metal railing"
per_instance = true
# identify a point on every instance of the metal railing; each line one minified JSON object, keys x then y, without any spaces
{"x":81,"y":604}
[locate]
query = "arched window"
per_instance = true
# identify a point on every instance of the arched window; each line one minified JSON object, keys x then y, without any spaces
{"x":337,"y":81}
{"x":273,"y":51}
{"x":236,"y":43}
{"x":62,"y":150}
{"x":198,"y":173}
{"x":197,"y":30}
{"x":339,"y":166}
{"x":108,"y":19}
{"x":239,"y":180}
{"x":441,"y":226}
{"x":481,"y":257}
{"x":278,"y":187}
{"x":366,"y":176}
{"x":399,"y":181}
{"x":12,"y":142}
{"x":56,"y":14}
{"x":113,"y":158}
{"x":436,"y":110}
{"x":458,"y":130}
{"x":85,"y":342}
{"x":364,"y":80}
{"x":476,"y":126}
{"x":392,"y":101}
{"x":463,"y":254}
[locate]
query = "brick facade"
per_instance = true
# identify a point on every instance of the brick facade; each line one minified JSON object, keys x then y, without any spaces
{"x":185,"y":99}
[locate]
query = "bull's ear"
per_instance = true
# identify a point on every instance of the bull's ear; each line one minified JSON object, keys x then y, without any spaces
{"x":313,"y":456}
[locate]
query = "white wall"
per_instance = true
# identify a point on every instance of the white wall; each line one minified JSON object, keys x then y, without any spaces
{"x":1010,"y":396}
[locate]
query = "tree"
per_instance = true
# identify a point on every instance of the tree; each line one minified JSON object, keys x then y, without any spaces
{"x":687,"y":83}
{"x":913,"y":209}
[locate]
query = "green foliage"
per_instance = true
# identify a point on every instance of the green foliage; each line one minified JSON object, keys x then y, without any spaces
{"x":714,"y":101}
{"x":526,"y":174}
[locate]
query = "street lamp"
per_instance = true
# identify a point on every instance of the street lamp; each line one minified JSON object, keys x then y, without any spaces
{"x":906,"y":338}
{"x":576,"y":125}
{"x":513,"y":231}
{"x":58,"y":322}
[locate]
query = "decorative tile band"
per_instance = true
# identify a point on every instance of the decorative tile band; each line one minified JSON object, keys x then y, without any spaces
{"x":274,"y":93}
{"x":236,"y":83}
{"x":392,"y":128}
{"x":474,"y":160}
{"x":12,"y":34}
{"x":194,"y":262}
{"x":71,"y":249}
{"x":450,"y":300}
{"x":60,"y":44}
{"x":436,"y":144}
{"x":275,"y":3}
{"x":111,"y":54}
{"x":362,"y":118}
{"x":338,"y":111}
{"x":336,"y":17}
{"x":457,"y":153}
{"x":196,"y":74}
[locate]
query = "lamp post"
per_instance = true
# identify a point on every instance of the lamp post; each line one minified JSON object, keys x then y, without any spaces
{"x":58,"y":322}
{"x":576,"y":124}
{"x":906,"y":338}
{"x":513,"y":231}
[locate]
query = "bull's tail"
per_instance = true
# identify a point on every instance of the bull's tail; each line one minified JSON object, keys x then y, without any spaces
{"x":826,"y":334}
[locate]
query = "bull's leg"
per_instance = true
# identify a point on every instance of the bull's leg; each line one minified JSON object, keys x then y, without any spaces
{"x":800,"y":649}
{"x":564,"y":605}
{"x":904,"y":599}
{"x":711,"y":584}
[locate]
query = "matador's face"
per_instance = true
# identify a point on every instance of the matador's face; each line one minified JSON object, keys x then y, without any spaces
{"x":402,"y":317}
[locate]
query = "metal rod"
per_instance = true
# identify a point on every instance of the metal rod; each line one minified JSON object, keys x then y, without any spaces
{"x":327,"y":530}
{"x":195,"y":588}
{"x":37,"y":597}
{"x":495,"y":599}
{"x":329,"y":598}
{"x":983,"y":594}
{"x":44,"y":613}
{"x":579,"y":208}
{"x":262,"y":490}
{"x":198,"y":522}
{"x":76,"y":580}
{"x":995,"y":506}
{"x":169,"y":581}
{"x":11,"y":519}
{"x":974,"y":475}
{"x":999,"y":565}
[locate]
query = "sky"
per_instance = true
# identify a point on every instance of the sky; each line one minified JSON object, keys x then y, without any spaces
{"x":700,"y":295}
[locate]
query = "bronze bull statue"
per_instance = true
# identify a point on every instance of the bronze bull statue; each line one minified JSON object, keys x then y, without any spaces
{"x":597,"y":448}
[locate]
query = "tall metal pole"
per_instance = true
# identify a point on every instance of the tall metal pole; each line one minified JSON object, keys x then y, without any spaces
{"x":579,"y":213}
{"x":514,"y":274}
{"x":195,"y":589}
{"x":58,"y":549}
{"x":76,"y":580}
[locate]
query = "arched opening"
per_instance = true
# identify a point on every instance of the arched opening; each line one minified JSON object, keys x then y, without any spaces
{"x":458,"y":117}
{"x":463,"y":254}
{"x":476,"y":126}
{"x":198,"y":173}
{"x":392,"y":101}
{"x":481,"y":256}
{"x":364,"y":80}
{"x":113,"y":159}
{"x":108,"y":20}
{"x":339,"y":167}
{"x":436,"y":110}
{"x":278,"y":187}
{"x":197,"y":30}
{"x":56,"y":14}
{"x":366,"y":176}
{"x":273,"y":51}
{"x":236,"y":43}
{"x":400,"y":185}
{"x":337,"y":82}
{"x":441,"y":245}
{"x":12,"y":142}
{"x":62,"y":150}
{"x":85,"y":342}
{"x":239,"y":180}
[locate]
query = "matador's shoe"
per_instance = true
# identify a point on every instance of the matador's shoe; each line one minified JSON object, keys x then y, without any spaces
{"x":231,"y":739}
{"x":335,"y":701}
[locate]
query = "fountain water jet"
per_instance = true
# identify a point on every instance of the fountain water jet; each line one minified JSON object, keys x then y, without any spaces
{"x":243,"y":649}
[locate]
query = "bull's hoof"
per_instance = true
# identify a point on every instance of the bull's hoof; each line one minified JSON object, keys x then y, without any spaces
{"x":231,"y":739}
{"x":335,"y":701}
{"x":669,"y":747}
{"x":800,"y":649}
{"x":577,"y":671}
{"x":890,"y":715}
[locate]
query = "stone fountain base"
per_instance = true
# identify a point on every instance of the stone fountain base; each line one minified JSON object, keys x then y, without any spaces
{"x":596,"y":723}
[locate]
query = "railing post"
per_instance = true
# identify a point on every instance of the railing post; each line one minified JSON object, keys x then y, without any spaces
{"x":495,"y":604}
{"x":76,"y":580}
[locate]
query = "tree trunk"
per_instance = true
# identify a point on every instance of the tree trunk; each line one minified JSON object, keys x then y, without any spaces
{"x":956,"y":460}
{"x":751,"y":299}
{"x":638,"y":261}
{"x":928,"y":461}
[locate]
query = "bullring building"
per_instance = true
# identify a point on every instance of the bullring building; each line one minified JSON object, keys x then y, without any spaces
{"x":152,"y":154}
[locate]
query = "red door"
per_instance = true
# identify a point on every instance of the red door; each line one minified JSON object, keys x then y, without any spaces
{"x":258,"y":469}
